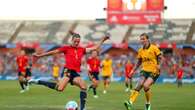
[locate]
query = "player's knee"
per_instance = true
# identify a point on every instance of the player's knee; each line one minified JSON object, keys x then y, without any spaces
{"x":95,"y":85}
{"x":83,"y":87}
{"x":146,"y":87}
{"x":139,"y":87}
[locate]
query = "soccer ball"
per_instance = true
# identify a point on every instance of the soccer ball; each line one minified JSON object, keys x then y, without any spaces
{"x":71,"y":105}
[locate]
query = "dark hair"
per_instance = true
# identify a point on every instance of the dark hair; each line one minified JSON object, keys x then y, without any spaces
{"x":74,"y":35}
{"x":95,"y":51}
{"x":144,"y":34}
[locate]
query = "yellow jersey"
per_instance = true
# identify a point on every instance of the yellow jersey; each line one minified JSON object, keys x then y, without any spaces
{"x":149,"y":58}
{"x":107,"y":67}
{"x":56,"y":70}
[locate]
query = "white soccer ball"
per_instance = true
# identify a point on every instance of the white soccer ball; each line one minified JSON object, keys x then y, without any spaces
{"x":71,"y":105}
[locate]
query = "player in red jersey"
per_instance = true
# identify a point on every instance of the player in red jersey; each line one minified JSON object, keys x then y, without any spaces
{"x":179,"y":76}
{"x":22,"y":63}
{"x":73,"y":54}
{"x":128,"y":76}
{"x":93,"y":71}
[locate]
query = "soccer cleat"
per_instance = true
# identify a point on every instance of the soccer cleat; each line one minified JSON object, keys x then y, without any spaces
{"x":128,"y":105}
{"x":95,"y":96}
{"x":22,"y":91}
{"x":27,"y":88}
{"x":33,"y":81}
{"x":148,"y":106}
{"x":127,"y":90}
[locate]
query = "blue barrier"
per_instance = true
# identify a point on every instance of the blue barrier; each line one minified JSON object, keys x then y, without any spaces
{"x":114,"y":79}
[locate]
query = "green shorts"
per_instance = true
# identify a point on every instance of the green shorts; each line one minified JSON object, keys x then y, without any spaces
{"x":150,"y":74}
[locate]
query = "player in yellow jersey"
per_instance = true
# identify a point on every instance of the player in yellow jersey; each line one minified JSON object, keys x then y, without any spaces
{"x":149,"y":57}
{"x":106,"y":71}
{"x":56,"y":71}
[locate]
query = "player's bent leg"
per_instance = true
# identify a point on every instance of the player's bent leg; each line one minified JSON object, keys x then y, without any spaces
{"x":126,"y":84}
{"x":138,"y":87}
{"x":51,"y":85}
{"x":131,"y":83}
{"x":95,"y":85}
{"x":104,"y":86}
{"x":107,"y":83}
{"x":26,"y":82}
{"x":83,"y":95}
{"x":62,"y":83}
{"x":134,"y":93}
{"x":147,"y":90}
{"x":21,"y":82}
{"x":108,"y":80}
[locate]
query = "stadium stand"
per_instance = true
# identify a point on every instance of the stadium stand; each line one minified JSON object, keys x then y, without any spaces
{"x":180,"y":31}
{"x":7,"y":28}
{"x":43,"y":32}
{"x":93,"y":31}
{"x":56,"y":32}
{"x":172,"y":30}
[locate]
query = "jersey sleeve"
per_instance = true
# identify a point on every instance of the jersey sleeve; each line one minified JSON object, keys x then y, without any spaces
{"x":139,"y":54}
{"x":63,"y":49}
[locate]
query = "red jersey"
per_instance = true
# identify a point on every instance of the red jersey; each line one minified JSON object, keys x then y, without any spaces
{"x":94,"y":64}
{"x":180,"y":73}
{"x":22,"y":62}
{"x":128,"y":68}
{"x":73,"y":56}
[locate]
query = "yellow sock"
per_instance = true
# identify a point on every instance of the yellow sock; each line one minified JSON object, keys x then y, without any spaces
{"x":148,"y":96}
{"x":133,"y":96}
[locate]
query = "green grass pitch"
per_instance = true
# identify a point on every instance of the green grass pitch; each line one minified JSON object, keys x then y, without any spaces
{"x":165,"y":97}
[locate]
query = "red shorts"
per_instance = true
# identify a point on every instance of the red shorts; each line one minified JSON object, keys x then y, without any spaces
{"x":127,"y":75}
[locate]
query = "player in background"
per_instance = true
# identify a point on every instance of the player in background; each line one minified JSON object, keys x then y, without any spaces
{"x":128,"y":76}
{"x":22,"y":63}
{"x":149,"y":57}
{"x":179,"y":76}
{"x":93,"y":71}
{"x":73,"y":54}
{"x":55,"y":71}
{"x":106,"y":72}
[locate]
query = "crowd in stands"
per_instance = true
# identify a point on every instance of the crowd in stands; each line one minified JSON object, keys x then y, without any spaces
{"x":43,"y":66}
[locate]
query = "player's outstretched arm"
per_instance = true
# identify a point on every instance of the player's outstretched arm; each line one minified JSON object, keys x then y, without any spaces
{"x":136,"y":67}
{"x":47,"y":53}
{"x":106,"y":37}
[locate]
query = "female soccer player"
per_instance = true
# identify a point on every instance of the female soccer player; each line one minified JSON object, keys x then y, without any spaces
{"x":73,"y":54}
{"x":149,"y":57}
{"x":93,"y":71}
{"x":128,"y":76}
{"x":106,"y":72}
{"x":23,"y":72}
